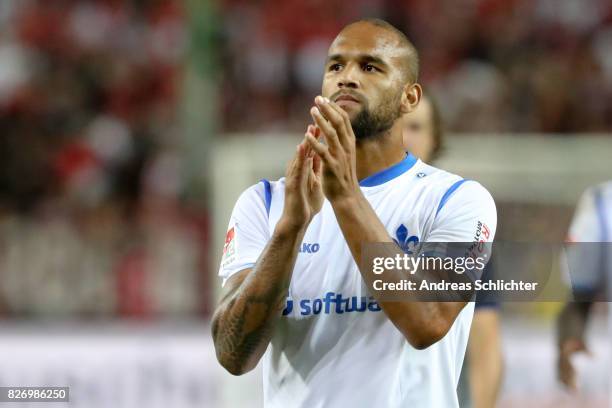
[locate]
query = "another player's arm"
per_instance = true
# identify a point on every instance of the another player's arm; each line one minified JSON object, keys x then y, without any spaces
{"x":421,"y":323}
{"x":585,"y":272}
{"x":245,"y":318}
{"x":485,"y":357}
{"x":571,"y":328}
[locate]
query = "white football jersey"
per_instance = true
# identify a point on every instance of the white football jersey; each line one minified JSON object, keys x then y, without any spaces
{"x":333,"y":345}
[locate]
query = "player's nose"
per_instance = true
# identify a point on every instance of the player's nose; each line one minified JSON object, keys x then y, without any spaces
{"x":349,"y":77}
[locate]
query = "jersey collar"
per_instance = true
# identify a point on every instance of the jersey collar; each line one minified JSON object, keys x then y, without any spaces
{"x":390,"y":172}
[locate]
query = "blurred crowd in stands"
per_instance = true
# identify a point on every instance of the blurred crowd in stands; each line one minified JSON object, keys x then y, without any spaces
{"x":494,"y":65}
{"x":91,"y":217}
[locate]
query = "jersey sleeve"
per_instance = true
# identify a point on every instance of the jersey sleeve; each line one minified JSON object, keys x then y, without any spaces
{"x":488,"y":300}
{"x":248,"y":232}
{"x":466,"y":215}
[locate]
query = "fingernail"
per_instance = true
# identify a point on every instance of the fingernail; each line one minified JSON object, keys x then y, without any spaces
{"x":319,"y":99}
{"x":327,"y":100}
{"x":314,"y":110}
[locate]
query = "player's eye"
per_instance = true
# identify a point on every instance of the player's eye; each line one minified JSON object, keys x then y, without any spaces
{"x":369,"y":68}
{"x":335,"y":67}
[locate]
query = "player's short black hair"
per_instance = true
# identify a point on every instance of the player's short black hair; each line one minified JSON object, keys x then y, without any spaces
{"x":411,"y":62}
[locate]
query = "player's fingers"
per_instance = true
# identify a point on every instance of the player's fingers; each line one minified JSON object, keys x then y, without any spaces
{"x":306,"y":169}
{"x":312,"y":178}
{"x":314,"y":172}
{"x":317,"y":165}
{"x":319,"y":136}
{"x":291,"y":165}
{"x":326,"y":128}
{"x":339,"y":120}
{"x":332,"y":115}
{"x":321,"y":150}
{"x":295,"y":169}
{"x":312,"y":130}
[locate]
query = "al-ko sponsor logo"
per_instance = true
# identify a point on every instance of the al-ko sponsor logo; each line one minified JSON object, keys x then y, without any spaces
{"x":309,"y":248}
{"x":332,"y":303}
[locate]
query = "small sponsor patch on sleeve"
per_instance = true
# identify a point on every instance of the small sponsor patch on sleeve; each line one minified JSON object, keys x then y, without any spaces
{"x":230,"y":247}
{"x":482,"y":237}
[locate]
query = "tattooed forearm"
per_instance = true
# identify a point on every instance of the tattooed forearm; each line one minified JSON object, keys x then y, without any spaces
{"x":245,"y":319}
{"x":245,"y":324}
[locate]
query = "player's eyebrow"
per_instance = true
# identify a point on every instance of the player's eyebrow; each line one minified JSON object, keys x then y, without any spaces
{"x":360,"y":57}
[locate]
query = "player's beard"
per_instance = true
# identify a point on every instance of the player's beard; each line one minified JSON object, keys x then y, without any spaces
{"x":370,"y":124}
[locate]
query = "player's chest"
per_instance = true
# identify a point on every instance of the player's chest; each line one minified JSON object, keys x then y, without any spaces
{"x":325,"y":262}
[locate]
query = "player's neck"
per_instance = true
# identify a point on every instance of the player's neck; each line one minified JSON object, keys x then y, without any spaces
{"x":379,"y":153}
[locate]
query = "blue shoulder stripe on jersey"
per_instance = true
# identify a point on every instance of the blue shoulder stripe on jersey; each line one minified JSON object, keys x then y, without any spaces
{"x":268,"y":194}
{"x":448,"y":193}
{"x":599,"y":203}
{"x":389,"y":173}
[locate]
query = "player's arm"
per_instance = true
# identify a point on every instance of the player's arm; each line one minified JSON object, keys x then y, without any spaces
{"x":422,"y":323}
{"x":583,"y":258}
{"x":571,"y":328}
{"x":485,"y":357}
{"x":244,"y":320}
{"x":245,"y":317}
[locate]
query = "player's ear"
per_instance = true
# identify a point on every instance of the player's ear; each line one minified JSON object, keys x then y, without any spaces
{"x":411,"y":97}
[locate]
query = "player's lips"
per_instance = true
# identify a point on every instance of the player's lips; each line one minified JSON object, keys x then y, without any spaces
{"x":347,"y":101}
{"x":346,"y":98}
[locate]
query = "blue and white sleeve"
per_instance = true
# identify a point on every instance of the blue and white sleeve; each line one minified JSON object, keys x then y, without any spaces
{"x":466,"y":215}
{"x":248,"y":231}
